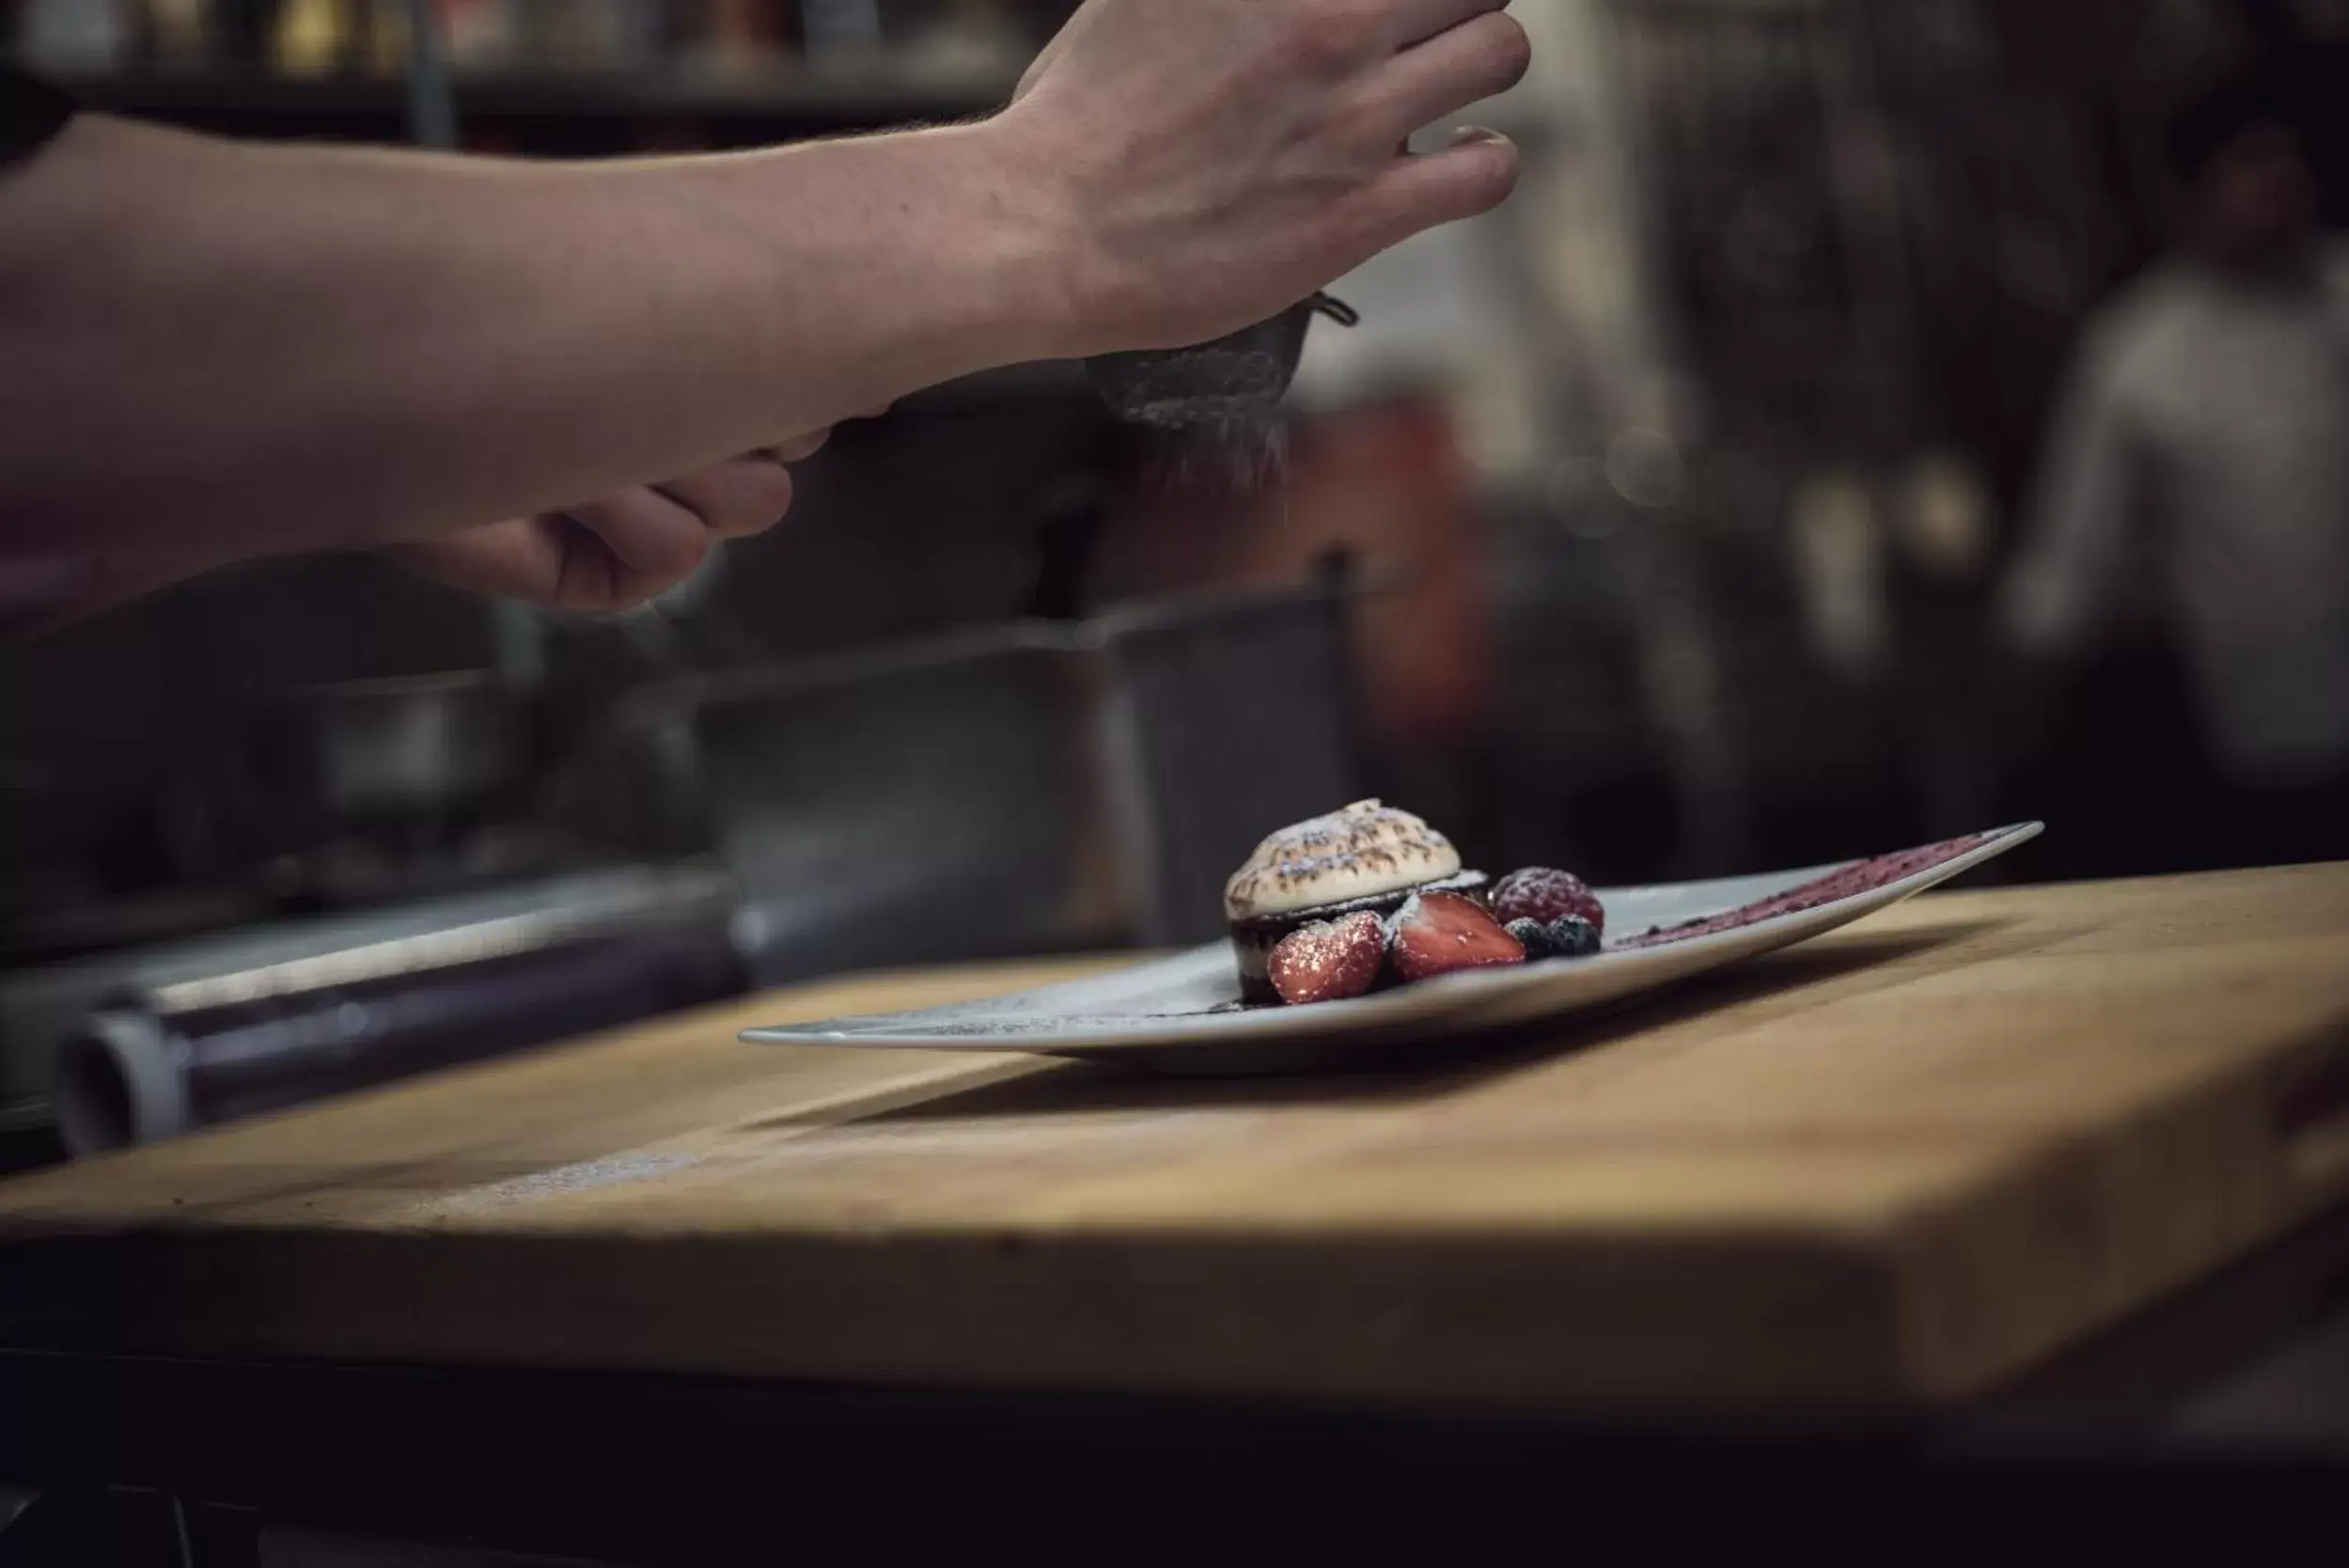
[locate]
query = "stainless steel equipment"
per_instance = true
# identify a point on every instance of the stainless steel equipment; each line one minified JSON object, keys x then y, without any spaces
{"x":1230,"y":382}
{"x":138,"y":1045}
{"x":1028,"y":787}
{"x":406,"y":753}
{"x":1032,"y":786}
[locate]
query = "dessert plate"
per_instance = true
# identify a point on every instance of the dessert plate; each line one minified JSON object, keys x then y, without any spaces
{"x":1183,"y":1013}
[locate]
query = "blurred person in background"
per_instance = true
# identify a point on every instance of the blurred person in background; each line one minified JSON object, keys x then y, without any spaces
{"x":215,"y":351}
{"x":2204,"y":434}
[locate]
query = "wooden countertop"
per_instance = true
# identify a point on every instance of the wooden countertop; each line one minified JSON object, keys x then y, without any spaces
{"x":1896,"y":1165}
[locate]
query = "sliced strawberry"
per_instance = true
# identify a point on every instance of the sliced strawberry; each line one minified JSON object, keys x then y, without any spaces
{"x":1434,"y":934}
{"x":1326,"y":960}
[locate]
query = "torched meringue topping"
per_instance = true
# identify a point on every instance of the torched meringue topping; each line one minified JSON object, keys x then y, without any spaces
{"x":1359,"y":852}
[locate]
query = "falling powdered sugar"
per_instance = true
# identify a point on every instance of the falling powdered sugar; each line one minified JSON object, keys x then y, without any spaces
{"x":1238,"y":452}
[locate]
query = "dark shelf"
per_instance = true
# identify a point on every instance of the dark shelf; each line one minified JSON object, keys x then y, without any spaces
{"x":794,"y":97}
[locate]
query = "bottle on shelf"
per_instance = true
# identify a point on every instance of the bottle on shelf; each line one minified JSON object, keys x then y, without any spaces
{"x":313,"y":38}
{"x":176,"y":34}
{"x":74,"y":38}
{"x":836,"y":28}
{"x":740,"y":35}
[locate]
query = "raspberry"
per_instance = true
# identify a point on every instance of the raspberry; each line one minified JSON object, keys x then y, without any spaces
{"x":1544,"y":893}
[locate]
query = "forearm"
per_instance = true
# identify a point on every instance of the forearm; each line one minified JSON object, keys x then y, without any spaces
{"x":209,"y":346}
{"x":264,"y":347}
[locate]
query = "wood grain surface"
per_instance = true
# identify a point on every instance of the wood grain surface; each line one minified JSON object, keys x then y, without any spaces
{"x":1897,"y":1165}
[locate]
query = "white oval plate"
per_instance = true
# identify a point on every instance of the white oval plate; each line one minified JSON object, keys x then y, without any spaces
{"x":1183,"y":1013}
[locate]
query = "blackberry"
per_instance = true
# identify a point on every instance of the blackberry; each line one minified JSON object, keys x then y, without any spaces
{"x":1571,"y":936}
{"x":1568,"y":936}
{"x":1533,"y":936}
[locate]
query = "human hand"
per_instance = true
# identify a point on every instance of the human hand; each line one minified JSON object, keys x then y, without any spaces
{"x":1223,"y":159}
{"x":41,"y":593}
{"x":620,"y":551}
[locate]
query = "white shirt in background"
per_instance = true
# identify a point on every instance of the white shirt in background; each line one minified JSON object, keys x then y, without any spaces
{"x":2207,"y":428}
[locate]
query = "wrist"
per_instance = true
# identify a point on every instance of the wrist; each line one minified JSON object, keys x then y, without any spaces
{"x":1029,"y":253}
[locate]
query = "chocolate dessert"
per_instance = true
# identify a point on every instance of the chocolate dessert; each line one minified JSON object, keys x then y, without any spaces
{"x":1368,"y":858}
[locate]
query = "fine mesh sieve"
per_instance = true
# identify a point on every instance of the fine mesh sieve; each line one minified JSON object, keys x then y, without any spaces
{"x":1234,"y":381}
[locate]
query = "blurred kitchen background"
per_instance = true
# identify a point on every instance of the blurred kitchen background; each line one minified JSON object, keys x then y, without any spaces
{"x":1654,"y":526}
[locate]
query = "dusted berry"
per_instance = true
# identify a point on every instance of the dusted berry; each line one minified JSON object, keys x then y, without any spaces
{"x":1571,"y":936}
{"x":1533,"y":936}
{"x":1326,"y":960}
{"x":1434,"y":934}
{"x":1545,"y":893}
{"x":1568,"y":936}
